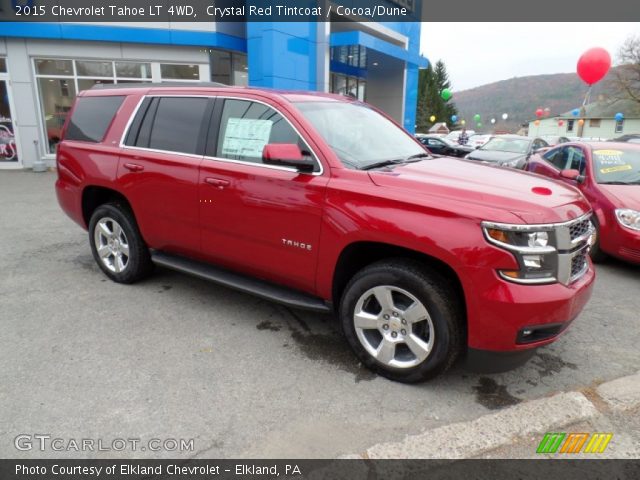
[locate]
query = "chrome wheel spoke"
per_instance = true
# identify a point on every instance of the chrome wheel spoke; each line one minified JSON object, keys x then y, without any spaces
{"x":386,"y":351}
{"x":118,"y":263}
{"x":117,"y":231}
{"x":104,"y":251}
{"x":415,"y":313}
{"x":418,"y":347}
{"x":102,"y":225}
{"x":384,"y":297}
{"x":366,"y":321}
{"x":124,"y":248}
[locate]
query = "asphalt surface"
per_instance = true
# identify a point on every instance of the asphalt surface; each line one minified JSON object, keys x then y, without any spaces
{"x":178,"y":358}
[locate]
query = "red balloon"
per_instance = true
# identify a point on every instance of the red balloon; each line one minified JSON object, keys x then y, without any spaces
{"x":539,"y":112}
{"x":593,"y":65}
{"x":561,"y":122}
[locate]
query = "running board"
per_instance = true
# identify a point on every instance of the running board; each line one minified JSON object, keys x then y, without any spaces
{"x":259,"y":288}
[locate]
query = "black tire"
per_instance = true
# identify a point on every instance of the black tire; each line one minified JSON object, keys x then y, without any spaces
{"x":139,"y":264}
{"x":438,"y":296}
{"x":597,"y":255}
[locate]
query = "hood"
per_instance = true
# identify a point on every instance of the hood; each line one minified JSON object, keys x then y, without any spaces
{"x":623,"y":196}
{"x":474,"y":187}
{"x":495,"y":156}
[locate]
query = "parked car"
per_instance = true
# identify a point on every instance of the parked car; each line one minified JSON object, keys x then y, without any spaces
{"x":478,"y":140}
{"x":507,"y":150}
{"x":321,"y":202}
{"x":631,"y":138}
{"x":608,"y":174}
{"x":442,"y":146}
{"x":553,"y":140}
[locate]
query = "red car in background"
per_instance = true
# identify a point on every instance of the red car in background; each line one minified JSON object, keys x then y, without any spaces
{"x":608,"y":174}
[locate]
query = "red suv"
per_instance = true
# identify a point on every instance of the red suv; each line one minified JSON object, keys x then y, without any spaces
{"x":608,"y":174}
{"x":322,"y":202}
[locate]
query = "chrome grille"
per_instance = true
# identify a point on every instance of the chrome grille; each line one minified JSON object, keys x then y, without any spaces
{"x":579,"y":229}
{"x":579,"y":264}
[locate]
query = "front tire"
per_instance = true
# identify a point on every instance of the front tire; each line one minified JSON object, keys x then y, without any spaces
{"x":597,"y":255}
{"x":116,"y":244}
{"x":402,"y":320}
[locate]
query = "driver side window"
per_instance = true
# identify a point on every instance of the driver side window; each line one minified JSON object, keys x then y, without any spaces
{"x":246,"y":127}
{"x":556,"y":158}
{"x":575,"y":159}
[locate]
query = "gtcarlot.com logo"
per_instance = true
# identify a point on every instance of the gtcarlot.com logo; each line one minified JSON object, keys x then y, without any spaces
{"x":44,"y":442}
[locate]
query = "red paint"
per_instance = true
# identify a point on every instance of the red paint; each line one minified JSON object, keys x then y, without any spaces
{"x":615,"y":239}
{"x":237,"y":215}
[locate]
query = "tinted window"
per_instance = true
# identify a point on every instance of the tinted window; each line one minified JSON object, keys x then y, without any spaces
{"x":91,"y":118}
{"x":177,"y":123}
{"x":555,"y":157}
{"x":246,"y":127}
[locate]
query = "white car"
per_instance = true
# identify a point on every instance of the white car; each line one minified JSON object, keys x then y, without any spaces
{"x":478,"y":140}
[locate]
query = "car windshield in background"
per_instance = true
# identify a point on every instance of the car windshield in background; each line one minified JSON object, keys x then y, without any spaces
{"x":358,"y":135}
{"x":617,"y":166}
{"x":513,"y":145}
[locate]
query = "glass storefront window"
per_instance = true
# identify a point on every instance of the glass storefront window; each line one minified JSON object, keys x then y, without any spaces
{"x":353,"y":55}
{"x":345,"y":85}
{"x":54,"y":67}
{"x":133,"y":70}
{"x":240,"y":70}
{"x":170,"y":71}
{"x":87,"y":83}
{"x":59,"y":80}
{"x":94,"y":69}
{"x":3,"y":65}
{"x":229,"y":68}
{"x":56,"y":97}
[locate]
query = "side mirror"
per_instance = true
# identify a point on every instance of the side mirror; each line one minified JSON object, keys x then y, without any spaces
{"x":287,"y":155}
{"x":572,"y":175}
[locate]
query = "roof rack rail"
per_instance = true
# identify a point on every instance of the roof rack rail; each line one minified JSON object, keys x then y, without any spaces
{"x":110,"y":86}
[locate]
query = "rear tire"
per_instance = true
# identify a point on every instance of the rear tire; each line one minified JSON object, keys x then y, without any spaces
{"x":116,"y":244}
{"x":403,"y":321}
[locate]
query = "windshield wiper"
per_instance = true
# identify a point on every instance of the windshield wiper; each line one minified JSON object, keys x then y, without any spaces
{"x":397,"y":161}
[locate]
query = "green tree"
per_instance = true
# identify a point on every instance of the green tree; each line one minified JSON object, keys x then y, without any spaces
{"x":431,"y":82}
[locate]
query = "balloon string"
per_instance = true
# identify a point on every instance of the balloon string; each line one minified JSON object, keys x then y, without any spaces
{"x":587,"y":96}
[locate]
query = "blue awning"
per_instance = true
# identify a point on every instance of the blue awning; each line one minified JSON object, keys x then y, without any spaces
{"x":343,"y":39}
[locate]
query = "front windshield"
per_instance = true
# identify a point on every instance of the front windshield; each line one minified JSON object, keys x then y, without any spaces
{"x":617,"y":165}
{"x":513,"y":145}
{"x":358,"y":135}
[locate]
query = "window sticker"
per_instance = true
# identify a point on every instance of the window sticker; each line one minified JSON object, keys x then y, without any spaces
{"x":618,"y":168}
{"x":245,"y":137}
{"x":610,"y":157}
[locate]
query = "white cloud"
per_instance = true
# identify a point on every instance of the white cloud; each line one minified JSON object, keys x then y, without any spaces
{"x":480,"y":53}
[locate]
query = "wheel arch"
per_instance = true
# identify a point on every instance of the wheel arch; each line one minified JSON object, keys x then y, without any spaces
{"x":358,"y":255}
{"x":94,"y":195}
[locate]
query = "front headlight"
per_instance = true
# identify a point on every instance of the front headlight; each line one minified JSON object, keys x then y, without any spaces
{"x":532,"y":248}
{"x":512,"y":163}
{"x":628,"y":218}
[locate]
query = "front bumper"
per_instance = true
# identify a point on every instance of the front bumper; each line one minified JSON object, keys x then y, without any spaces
{"x":500,"y":311}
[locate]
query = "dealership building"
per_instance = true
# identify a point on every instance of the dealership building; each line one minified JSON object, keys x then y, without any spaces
{"x":44,"y":65}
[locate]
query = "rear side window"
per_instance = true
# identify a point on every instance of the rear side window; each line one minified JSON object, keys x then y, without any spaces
{"x":91,"y":118}
{"x":177,"y":124}
{"x":171,"y":124}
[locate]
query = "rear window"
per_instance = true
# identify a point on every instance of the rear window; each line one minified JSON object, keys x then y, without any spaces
{"x":91,"y":118}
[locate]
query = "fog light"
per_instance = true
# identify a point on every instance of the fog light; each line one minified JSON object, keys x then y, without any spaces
{"x":526,"y":333}
{"x":532,"y":261}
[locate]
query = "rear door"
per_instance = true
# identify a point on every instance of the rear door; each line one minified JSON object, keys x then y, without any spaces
{"x":159,"y":167}
{"x":257,"y":218}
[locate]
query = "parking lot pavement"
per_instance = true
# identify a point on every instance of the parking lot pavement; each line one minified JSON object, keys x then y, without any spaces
{"x":176,"y":357}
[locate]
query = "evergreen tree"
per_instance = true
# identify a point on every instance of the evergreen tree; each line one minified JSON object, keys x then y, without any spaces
{"x":431,"y":82}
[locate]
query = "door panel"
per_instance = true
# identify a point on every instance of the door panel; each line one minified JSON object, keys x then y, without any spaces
{"x":256,"y":218}
{"x":159,"y":170}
